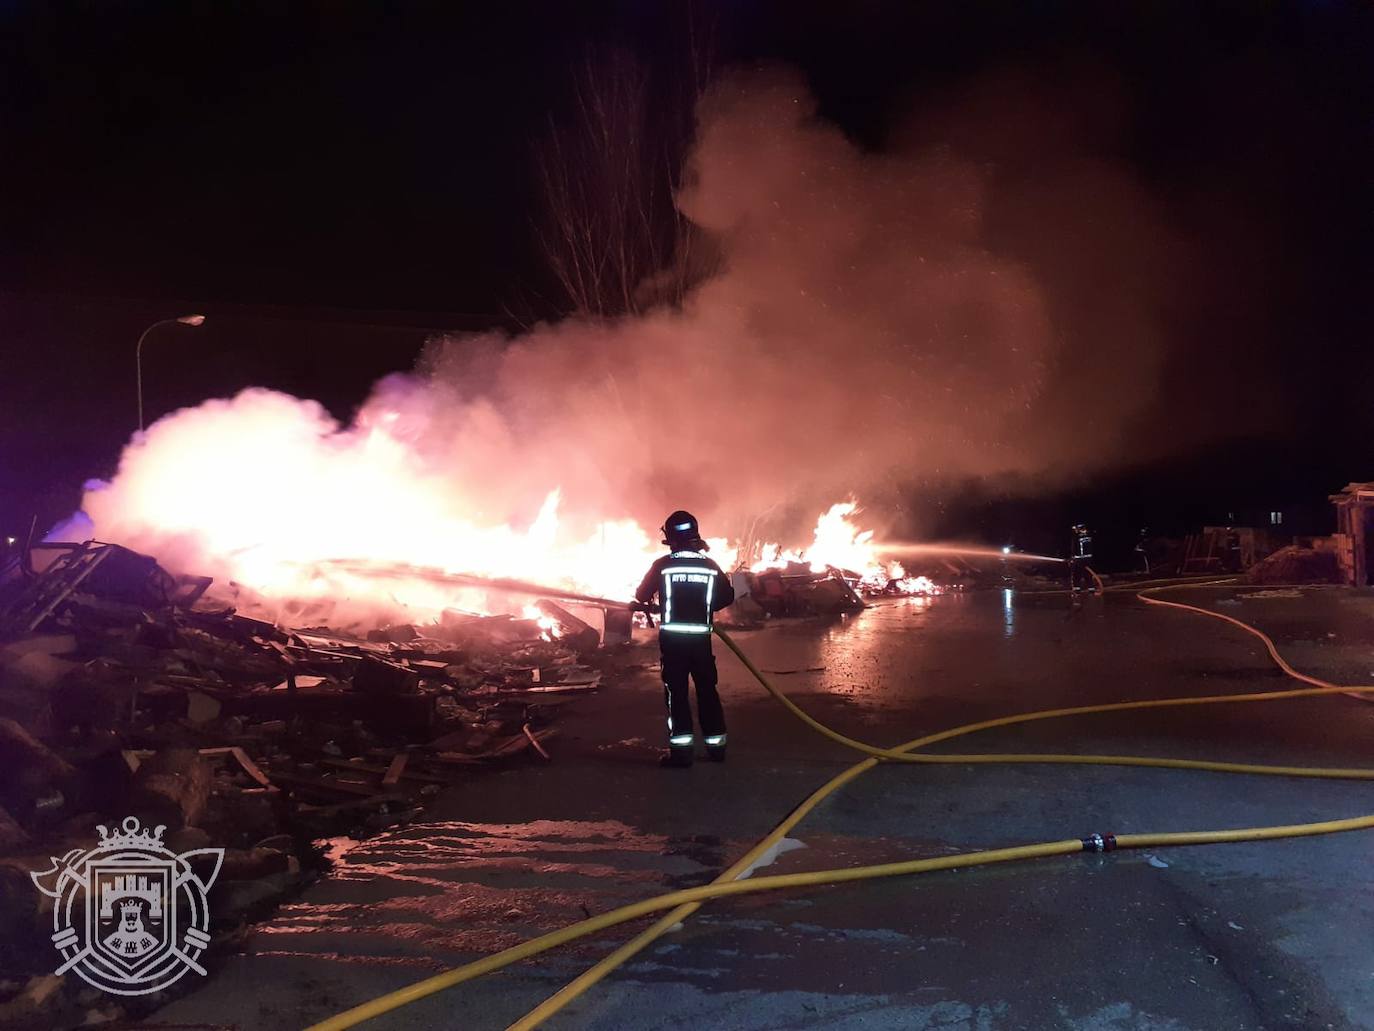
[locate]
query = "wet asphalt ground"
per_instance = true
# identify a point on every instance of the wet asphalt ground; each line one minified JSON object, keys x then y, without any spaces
{"x":1242,"y":936}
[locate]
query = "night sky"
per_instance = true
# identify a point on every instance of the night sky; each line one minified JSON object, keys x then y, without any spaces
{"x":331,"y":181}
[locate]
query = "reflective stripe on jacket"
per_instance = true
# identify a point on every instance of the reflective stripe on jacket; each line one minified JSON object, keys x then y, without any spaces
{"x":690,"y":589}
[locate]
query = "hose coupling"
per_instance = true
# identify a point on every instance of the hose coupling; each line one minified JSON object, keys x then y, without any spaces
{"x":1099,"y":843}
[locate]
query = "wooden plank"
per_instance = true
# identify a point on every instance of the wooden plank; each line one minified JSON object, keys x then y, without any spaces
{"x":508,"y":747}
{"x":377,"y":770}
{"x":455,"y":758}
{"x":352,"y":805}
{"x":320,"y":784}
{"x":394,"y":771}
{"x":82,"y":569}
{"x":514,"y":693}
{"x":133,"y":758}
{"x":251,"y":768}
{"x":534,"y":741}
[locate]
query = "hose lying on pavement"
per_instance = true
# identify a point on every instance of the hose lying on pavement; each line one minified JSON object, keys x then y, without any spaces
{"x":682,"y":904}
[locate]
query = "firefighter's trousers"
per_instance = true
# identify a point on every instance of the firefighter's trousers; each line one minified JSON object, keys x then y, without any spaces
{"x":684,"y":656}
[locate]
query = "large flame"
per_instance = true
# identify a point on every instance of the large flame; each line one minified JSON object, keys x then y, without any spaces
{"x":838,"y":543}
{"x":310,"y":520}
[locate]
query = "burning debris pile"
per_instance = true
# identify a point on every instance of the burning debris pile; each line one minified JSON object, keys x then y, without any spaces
{"x":127,"y":691}
{"x":366,"y":515}
{"x":835,"y":574}
{"x":795,"y":588}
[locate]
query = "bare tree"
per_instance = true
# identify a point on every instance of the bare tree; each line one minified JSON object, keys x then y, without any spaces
{"x":609,"y":168}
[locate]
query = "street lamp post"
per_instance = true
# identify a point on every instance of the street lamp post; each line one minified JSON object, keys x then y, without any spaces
{"x":185,"y":320}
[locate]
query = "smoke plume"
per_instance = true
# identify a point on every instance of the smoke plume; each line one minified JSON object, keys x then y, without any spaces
{"x":869,"y":330}
{"x":864,"y":335}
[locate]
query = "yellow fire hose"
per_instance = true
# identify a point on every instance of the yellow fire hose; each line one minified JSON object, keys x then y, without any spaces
{"x":682,"y":904}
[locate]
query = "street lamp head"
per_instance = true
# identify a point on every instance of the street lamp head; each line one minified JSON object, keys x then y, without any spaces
{"x":185,"y":320}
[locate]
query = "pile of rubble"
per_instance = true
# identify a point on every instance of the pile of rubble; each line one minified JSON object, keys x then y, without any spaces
{"x":125,"y":691}
{"x":1296,"y":564}
{"x":795,"y":589}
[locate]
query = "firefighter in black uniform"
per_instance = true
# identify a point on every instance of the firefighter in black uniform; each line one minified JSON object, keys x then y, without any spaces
{"x":1080,"y":554}
{"x":691,"y":588}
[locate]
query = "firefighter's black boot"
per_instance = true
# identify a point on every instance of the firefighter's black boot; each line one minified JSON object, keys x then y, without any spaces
{"x":716,"y":753}
{"x":676,"y":758}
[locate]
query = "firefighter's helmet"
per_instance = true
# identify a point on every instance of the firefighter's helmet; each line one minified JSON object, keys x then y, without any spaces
{"x":680,"y":529}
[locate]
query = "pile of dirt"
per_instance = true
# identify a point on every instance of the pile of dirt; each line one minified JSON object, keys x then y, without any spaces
{"x":1296,"y":565}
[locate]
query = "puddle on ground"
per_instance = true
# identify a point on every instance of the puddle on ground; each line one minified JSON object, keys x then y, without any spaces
{"x":458,"y":887}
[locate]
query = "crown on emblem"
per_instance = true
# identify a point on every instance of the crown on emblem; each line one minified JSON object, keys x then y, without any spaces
{"x":131,"y":836}
{"x":130,"y":906}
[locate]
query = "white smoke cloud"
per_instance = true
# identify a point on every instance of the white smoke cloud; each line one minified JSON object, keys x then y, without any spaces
{"x":861,"y":336}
